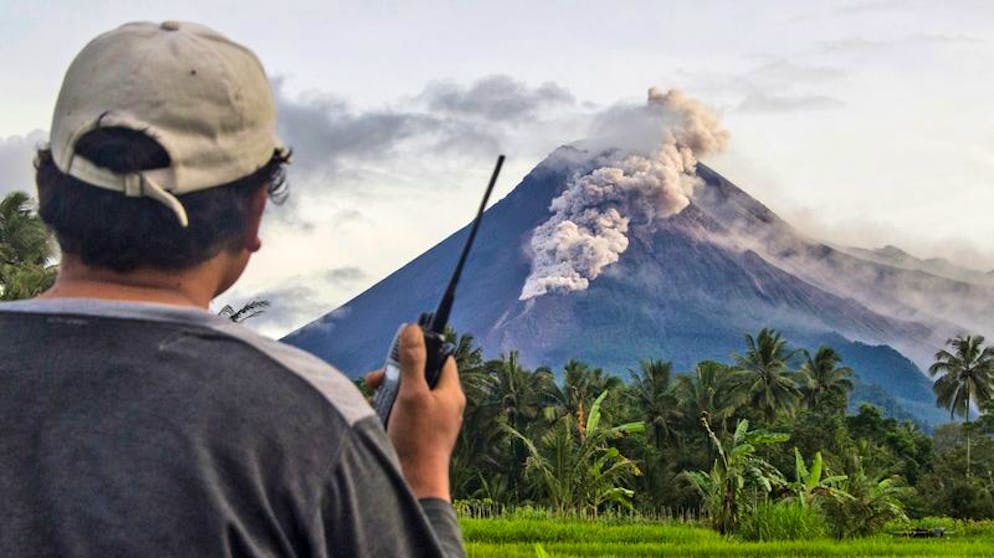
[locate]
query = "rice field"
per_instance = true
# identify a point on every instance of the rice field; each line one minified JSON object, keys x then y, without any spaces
{"x":513,"y":538}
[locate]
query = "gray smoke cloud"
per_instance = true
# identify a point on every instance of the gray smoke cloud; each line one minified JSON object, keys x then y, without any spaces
{"x":331,"y":138}
{"x":497,"y":98}
{"x":588,"y":230}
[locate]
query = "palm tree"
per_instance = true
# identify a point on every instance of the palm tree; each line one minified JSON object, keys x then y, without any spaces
{"x":23,"y":237}
{"x":714,"y":390}
{"x":468,"y":355}
{"x":822,"y":380}
{"x":516,"y":399}
{"x":581,"y":384}
{"x":476,"y":380}
{"x":967,"y":376}
{"x":653,"y":396}
{"x":25,"y":250}
{"x":25,"y":281}
{"x":480,"y":435}
{"x":770,"y":387}
{"x":478,"y":449}
{"x":249,"y":310}
{"x":520,"y":392}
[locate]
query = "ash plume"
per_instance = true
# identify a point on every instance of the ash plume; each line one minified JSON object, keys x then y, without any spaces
{"x":590,"y":221}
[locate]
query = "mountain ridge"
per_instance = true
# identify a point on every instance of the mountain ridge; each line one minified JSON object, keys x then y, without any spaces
{"x":894,"y":256}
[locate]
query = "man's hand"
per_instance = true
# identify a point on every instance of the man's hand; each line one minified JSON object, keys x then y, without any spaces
{"x":424,"y":423}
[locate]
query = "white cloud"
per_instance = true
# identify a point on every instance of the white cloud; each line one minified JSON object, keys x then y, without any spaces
{"x":762,"y":102}
{"x":17,"y":154}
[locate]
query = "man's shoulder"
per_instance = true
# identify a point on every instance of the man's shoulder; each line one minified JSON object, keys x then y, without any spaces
{"x":205,"y":330}
{"x":331,"y":383}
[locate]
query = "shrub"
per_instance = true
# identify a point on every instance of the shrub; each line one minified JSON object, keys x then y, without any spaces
{"x":786,"y":520}
{"x":869,"y":504}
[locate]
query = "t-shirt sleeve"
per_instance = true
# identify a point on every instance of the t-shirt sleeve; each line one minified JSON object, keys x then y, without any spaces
{"x":443,"y":520}
{"x":370,"y":511}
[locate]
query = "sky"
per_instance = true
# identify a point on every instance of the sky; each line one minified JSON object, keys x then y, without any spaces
{"x":862,"y":123}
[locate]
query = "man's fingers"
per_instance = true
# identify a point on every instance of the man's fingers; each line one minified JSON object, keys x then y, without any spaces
{"x":413,"y":354}
{"x":374,"y":379}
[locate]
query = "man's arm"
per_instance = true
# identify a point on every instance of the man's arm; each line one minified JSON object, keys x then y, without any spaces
{"x":370,"y":510}
{"x":361,"y":499}
{"x":395,"y":491}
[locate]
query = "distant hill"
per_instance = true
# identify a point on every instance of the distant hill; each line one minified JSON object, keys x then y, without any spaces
{"x":688,"y":291}
{"x":894,"y":256}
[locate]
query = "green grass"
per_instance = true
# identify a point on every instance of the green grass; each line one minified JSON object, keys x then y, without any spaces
{"x":786,"y":520}
{"x":510,"y":538}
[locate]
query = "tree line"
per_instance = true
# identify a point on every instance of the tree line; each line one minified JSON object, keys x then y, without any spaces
{"x":766,"y":432}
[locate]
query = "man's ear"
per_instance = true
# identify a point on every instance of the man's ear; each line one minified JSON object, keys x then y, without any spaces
{"x":256,"y":207}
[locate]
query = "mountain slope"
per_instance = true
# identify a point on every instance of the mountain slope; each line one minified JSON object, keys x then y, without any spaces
{"x":686,"y":290}
{"x":889,"y":285}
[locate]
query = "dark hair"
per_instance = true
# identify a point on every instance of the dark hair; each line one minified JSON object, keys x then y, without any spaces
{"x":107,"y":229}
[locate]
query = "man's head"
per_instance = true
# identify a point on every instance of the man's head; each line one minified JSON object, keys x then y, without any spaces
{"x":163,"y":144}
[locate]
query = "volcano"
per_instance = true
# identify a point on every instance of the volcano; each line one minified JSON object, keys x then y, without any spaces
{"x":687,"y":290}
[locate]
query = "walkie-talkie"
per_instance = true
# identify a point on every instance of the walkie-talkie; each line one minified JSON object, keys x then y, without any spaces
{"x":432,"y":324}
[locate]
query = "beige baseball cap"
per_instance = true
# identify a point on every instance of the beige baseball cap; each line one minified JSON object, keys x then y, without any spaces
{"x":204,"y":98}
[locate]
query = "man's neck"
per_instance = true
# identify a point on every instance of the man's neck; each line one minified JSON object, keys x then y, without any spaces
{"x":189,"y":287}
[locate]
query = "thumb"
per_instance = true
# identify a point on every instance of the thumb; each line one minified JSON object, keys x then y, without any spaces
{"x":412,"y":355}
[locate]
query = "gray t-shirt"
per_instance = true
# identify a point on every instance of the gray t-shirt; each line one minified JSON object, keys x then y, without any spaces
{"x":152,"y":430}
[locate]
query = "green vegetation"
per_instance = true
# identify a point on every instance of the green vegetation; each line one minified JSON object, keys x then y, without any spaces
{"x":737,"y":473}
{"x":786,"y":520}
{"x":529,"y":537}
{"x":580,"y":470}
{"x":763,"y":448}
{"x":25,"y":250}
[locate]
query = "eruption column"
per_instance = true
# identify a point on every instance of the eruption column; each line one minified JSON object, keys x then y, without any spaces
{"x":588,"y":230}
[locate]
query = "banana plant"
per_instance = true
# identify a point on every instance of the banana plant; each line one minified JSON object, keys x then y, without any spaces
{"x":581,"y":473}
{"x":809,"y":482}
{"x":736,"y":472}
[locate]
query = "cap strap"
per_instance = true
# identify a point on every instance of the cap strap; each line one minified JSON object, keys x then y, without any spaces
{"x":133,"y":185}
{"x":152,"y":190}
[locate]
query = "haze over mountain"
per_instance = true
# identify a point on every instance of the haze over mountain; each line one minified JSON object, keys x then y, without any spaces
{"x":684,"y":288}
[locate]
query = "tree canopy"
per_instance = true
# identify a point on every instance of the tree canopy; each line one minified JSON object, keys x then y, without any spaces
{"x":26,"y":250}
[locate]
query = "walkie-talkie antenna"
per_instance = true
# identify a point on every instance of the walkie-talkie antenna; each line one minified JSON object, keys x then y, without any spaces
{"x":441,"y":316}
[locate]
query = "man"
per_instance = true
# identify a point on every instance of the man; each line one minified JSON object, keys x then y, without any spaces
{"x":135,"y":422}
